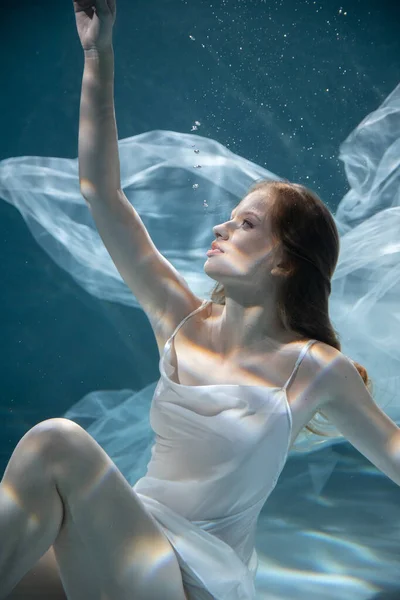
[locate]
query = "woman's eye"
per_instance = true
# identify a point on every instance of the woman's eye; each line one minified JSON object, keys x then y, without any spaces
{"x":248,"y":222}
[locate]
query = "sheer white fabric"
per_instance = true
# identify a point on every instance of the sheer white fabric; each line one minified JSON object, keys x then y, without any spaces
{"x":182,"y":185}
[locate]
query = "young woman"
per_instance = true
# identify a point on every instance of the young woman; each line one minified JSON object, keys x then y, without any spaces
{"x":241,"y":376}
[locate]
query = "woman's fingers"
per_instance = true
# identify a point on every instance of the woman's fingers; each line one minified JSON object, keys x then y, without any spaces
{"x":105,"y":7}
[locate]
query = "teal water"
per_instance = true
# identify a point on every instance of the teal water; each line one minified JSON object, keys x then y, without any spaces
{"x":281,"y":84}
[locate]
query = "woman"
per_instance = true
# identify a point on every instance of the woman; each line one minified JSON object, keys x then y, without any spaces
{"x":241,"y":376}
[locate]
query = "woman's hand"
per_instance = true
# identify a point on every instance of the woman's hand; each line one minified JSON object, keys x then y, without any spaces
{"x":94,"y":21}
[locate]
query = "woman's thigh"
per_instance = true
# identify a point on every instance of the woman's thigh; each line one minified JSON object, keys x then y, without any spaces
{"x":109,"y":546}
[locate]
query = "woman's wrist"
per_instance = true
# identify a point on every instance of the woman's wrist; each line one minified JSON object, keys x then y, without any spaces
{"x":95,"y":53}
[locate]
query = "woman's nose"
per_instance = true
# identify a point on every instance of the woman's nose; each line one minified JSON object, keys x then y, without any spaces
{"x":216,"y":230}
{"x":220,"y":229}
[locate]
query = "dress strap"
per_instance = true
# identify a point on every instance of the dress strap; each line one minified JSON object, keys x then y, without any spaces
{"x":188,"y":317}
{"x":298,"y":361}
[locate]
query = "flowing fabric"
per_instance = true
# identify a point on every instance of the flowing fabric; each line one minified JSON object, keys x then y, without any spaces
{"x":182,"y":185}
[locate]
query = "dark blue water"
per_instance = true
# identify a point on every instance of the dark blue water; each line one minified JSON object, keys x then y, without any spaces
{"x":281,"y":83}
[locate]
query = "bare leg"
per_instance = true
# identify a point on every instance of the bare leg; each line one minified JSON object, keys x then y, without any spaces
{"x":42,"y":582}
{"x":31,"y":509}
{"x":60,"y":488}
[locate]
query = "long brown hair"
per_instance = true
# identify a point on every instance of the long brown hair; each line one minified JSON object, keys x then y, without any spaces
{"x":307,"y":231}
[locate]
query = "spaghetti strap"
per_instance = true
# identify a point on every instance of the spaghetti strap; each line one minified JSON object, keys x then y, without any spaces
{"x":298,"y":361}
{"x":188,"y":317}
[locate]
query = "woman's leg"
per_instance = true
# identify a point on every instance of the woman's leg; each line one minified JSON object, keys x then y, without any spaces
{"x":42,"y":582}
{"x":60,"y":488}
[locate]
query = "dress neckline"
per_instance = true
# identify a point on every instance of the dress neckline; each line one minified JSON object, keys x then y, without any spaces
{"x":167,"y":347}
{"x":265,"y":388}
{"x":174,"y":384}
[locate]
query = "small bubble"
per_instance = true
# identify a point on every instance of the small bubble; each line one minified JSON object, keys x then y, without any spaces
{"x":197,"y":151}
{"x":196,"y":166}
{"x":194,"y":128}
{"x":205,"y":204}
{"x":195,"y":186}
{"x":197,"y":123}
{"x":192,"y":38}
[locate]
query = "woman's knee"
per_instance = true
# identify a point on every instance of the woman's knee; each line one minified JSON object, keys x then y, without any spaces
{"x":53,"y":438}
{"x":40,"y":447}
{"x":56,"y":428}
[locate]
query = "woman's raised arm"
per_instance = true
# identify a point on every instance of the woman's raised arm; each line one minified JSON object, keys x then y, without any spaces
{"x":159,"y":288}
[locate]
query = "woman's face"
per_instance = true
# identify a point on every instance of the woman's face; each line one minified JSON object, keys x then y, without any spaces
{"x":246,"y":243}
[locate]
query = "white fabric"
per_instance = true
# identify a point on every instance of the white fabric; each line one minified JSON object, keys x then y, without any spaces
{"x":158,"y":175}
{"x":179,"y":205}
{"x":218,"y":453}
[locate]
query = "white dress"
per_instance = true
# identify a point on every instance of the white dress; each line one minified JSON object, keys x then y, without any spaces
{"x":217,"y":456}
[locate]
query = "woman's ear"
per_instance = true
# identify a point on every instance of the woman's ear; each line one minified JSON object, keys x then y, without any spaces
{"x":282,"y":269}
{"x":279,"y":271}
